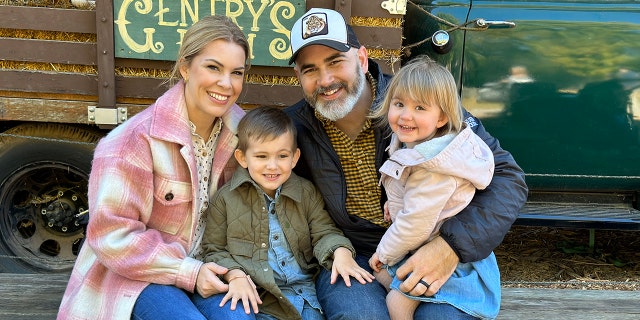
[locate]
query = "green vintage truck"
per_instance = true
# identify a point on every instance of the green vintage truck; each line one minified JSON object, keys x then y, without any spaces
{"x":558,"y":82}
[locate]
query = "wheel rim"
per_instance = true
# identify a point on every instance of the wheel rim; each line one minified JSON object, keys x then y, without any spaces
{"x":42,"y":221}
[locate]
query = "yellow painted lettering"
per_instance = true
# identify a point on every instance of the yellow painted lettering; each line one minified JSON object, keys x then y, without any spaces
{"x":234,"y":14}
{"x":181,"y":32}
{"x":279,"y":47}
{"x":185,"y":7}
{"x":212,"y":6}
{"x":142,"y":7}
{"x":250,"y":38}
{"x":160,"y":14}
{"x":255,"y":15}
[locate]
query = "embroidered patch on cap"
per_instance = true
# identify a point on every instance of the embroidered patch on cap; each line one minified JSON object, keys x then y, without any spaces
{"x":314,"y":25}
{"x":322,"y":27}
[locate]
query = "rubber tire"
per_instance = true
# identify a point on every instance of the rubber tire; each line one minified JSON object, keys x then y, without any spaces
{"x":48,"y":147}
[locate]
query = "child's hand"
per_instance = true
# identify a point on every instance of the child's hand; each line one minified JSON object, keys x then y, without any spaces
{"x":346,"y":266}
{"x":375,"y":263}
{"x":241,"y":287}
{"x":387,"y":216}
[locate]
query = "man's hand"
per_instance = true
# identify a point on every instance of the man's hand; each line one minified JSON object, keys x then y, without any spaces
{"x":345,"y":266}
{"x":208,"y":283}
{"x":433,"y":263}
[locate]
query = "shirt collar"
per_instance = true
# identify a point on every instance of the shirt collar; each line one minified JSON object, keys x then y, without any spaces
{"x":217,"y":127}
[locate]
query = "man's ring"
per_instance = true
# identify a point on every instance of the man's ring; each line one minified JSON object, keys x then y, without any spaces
{"x":424,"y":283}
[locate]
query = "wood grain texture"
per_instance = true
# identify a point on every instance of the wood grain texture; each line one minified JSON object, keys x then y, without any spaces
{"x":38,"y":296}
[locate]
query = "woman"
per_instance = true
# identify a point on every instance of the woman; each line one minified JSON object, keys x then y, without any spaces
{"x":150,"y":183}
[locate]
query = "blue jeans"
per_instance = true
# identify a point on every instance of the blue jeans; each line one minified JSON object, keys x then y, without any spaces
{"x":368,"y":301}
{"x":474,"y":287}
{"x":159,"y":301}
{"x":210,"y":308}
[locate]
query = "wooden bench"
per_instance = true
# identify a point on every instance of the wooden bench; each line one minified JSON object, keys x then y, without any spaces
{"x":31,"y":296}
{"x":525,"y":304}
{"x":568,"y":210}
{"x":37,"y":296}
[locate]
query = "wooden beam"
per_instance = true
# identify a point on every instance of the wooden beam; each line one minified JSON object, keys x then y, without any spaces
{"x":106,"y":54}
{"x":47,"y":51}
{"x":48,"y":82}
{"x":48,"y":19}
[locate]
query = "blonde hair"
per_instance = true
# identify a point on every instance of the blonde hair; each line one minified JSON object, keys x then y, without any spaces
{"x":203,"y":32}
{"x":424,"y":80}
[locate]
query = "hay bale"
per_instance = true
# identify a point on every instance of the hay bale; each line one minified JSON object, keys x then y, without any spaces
{"x":63,"y":4}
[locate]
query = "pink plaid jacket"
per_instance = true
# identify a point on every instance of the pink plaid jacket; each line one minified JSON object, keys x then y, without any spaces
{"x":142,"y":189}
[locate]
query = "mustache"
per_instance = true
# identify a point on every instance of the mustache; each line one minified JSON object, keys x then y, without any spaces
{"x":332,"y":87}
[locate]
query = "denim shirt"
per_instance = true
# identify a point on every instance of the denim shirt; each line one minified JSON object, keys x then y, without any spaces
{"x":297,"y":286}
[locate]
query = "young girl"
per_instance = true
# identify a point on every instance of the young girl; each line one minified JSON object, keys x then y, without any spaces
{"x":436,"y":163}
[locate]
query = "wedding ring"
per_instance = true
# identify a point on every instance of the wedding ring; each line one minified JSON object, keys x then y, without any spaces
{"x":424,"y":283}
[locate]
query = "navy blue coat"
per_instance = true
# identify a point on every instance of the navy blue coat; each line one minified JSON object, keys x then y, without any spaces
{"x":473,"y":233}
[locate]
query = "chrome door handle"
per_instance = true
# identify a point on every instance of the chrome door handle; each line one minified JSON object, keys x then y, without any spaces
{"x":495,"y":24}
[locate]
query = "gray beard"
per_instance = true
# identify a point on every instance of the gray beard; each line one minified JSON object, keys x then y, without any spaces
{"x":338,"y":109}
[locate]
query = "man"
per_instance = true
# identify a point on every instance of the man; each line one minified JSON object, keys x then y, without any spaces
{"x":341,"y":152}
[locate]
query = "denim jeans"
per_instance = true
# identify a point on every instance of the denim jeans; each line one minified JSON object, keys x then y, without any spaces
{"x":308,"y":313}
{"x":368,"y":301}
{"x":159,"y":301}
{"x":474,"y":287}
{"x":210,"y":308}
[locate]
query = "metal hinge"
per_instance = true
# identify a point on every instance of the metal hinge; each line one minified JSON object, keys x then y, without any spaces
{"x":395,"y":6}
{"x":107,"y":116}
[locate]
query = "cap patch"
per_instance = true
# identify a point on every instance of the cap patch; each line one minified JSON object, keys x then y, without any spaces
{"x":314,"y":25}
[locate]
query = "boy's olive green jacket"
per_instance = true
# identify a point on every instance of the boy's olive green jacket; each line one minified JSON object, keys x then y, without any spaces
{"x":237,"y":234}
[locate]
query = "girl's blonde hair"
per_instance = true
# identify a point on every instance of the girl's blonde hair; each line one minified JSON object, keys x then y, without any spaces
{"x":203,"y":32}
{"x":424,"y":80}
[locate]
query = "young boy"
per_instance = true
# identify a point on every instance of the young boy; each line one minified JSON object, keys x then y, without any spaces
{"x":269,"y":228}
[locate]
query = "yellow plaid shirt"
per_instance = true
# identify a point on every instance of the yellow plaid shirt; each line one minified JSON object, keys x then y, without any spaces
{"x":357,"y":158}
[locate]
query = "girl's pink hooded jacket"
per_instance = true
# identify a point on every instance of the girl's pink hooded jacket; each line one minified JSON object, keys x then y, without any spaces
{"x":428,"y":184}
{"x":142,"y":189}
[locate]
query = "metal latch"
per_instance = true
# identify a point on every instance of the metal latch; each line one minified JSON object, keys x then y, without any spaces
{"x":395,"y":6}
{"x":109,"y":116}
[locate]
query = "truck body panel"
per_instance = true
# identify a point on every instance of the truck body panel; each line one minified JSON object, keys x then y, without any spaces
{"x":560,"y":90}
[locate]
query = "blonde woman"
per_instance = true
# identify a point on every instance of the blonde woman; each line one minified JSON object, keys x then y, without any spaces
{"x":150,"y":184}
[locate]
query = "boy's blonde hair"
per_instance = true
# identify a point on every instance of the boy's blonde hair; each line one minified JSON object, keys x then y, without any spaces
{"x":424,"y":80}
{"x":264,"y":124}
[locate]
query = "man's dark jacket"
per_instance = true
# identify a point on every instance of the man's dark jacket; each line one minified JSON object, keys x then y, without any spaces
{"x":473,"y":233}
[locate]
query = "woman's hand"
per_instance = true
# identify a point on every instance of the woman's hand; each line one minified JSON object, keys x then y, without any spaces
{"x":241,"y":287}
{"x":208,"y":283}
{"x":345,"y":266}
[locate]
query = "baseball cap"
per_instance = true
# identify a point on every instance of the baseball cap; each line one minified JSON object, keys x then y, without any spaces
{"x":322,"y":26}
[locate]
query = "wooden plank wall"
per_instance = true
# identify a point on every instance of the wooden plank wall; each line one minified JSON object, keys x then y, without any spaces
{"x":33,"y":83}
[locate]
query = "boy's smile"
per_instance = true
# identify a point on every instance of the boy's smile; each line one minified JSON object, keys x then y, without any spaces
{"x":270,"y":161}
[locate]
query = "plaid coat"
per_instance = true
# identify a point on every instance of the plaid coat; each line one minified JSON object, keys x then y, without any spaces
{"x":142,"y":195}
